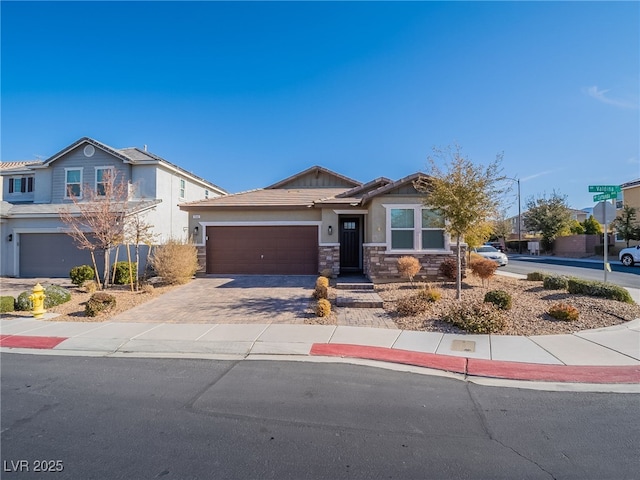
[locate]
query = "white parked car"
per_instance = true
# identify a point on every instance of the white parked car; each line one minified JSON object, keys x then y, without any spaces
{"x":629,"y":256}
{"x":492,"y":253}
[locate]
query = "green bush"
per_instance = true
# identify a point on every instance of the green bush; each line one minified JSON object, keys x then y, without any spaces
{"x":23,"y":304}
{"x":99,"y":302}
{"x":53,"y":295}
{"x":598,"y":289}
{"x":122,"y":276}
{"x":7,"y":303}
{"x":555,"y":282}
{"x":499,"y":298}
{"x":537,"y":276}
{"x":81,"y":274}
{"x":565,"y":312}
{"x":475,"y":318}
{"x":323,"y":308}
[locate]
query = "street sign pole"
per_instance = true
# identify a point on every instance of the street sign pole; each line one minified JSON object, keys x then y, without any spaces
{"x":606,"y":246}
{"x":606,"y":193}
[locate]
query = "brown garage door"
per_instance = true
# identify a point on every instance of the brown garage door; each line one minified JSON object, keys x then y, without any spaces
{"x":281,"y":250}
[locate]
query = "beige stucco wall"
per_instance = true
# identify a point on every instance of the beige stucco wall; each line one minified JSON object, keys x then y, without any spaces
{"x":376,"y":225}
{"x":255,"y":216}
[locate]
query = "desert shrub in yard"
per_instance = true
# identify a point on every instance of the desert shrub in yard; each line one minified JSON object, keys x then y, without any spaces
{"x":81,"y":274}
{"x":599,"y":289}
{"x":23,"y":303}
{"x":430,"y":294}
{"x":53,"y":295}
{"x":323,"y":308}
{"x":99,"y":302}
{"x":408,"y":267}
{"x":565,"y":312}
{"x":499,"y":298}
{"x":449,"y":269}
{"x":321,"y":292}
{"x":7,"y":303}
{"x":536,"y":276}
{"x":327,"y":272}
{"x":322,"y":282}
{"x":475,"y":318}
{"x":120,"y":273}
{"x":411,"y":305}
{"x":555,"y":282}
{"x":175,"y":261}
{"x":416,"y":303}
{"x":90,"y":286}
{"x":483,"y":268}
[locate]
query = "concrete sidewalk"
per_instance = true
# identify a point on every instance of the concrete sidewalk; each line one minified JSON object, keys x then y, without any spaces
{"x":603,"y":356}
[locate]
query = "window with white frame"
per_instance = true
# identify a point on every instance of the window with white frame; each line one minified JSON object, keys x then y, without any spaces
{"x":20,"y":184}
{"x":414,"y":228}
{"x":183,"y":186}
{"x":103,"y":175}
{"x":72,"y":182}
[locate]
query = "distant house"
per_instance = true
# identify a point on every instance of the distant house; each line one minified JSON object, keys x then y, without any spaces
{"x":631,"y":197}
{"x":579,"y":215}
{"x":33,"y":193}
{"x":318,"y":219}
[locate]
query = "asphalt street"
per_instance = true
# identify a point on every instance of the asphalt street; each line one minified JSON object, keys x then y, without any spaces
{"x":123,"y":418}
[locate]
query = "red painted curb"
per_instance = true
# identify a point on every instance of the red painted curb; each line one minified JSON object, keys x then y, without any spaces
{"x":24,"y":341}
{"x":554,"y":373}
{"x":486,"y":368}
{"x":407,"y":357}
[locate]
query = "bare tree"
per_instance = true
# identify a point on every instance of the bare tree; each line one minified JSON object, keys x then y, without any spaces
{"x":138,"y":231}
{"x":98,"y":220}
{"x":466,"y":195}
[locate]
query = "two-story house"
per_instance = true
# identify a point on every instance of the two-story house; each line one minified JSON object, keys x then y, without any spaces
{"x":32,"y":235}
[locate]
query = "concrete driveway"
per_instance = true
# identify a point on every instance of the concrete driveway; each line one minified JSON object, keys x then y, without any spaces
{"x":230,"y":299}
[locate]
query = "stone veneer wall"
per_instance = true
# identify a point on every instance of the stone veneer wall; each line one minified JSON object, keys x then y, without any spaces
{"x":382,"y":266}
{"x":202,"y":260}
{"x":329,"y":257}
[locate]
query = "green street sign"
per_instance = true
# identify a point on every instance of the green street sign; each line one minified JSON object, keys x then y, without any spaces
{"x":604,"y":188}
{"x":605,"y":196}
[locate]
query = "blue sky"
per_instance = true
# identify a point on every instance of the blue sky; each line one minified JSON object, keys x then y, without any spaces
{"x":245,"y":94}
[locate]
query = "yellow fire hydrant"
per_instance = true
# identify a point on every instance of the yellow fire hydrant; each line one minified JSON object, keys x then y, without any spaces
{"x":37,"y":298}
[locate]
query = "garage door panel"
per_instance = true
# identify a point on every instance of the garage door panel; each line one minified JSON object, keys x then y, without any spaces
{"x":51,"y":255}
{"x":263,"y":250}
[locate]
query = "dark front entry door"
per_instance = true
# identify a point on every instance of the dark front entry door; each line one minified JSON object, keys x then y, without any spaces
{"x":350,"y":244}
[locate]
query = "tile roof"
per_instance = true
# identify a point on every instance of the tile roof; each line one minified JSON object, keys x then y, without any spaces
{"x":53,"y":209}
{"x":18,"y":165}
{"x":277,"y":197}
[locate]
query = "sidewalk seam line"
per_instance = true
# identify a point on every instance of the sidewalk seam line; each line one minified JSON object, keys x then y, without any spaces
{"x":213,"y":327}
{"x":604,"y":346}
{"x":147,"y":331}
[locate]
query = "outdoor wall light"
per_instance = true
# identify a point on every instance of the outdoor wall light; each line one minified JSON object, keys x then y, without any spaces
{"x":10,"y":237}
{"x":330,"y":230}
{"x":196,"y":229}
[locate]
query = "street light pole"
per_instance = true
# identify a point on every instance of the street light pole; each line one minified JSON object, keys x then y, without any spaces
{"x":519,"y":221}
{"x":517,"y":180}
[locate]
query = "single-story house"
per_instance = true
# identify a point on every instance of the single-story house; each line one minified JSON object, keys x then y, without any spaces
{"x":32,"y":235}
{"x":318,"y":219}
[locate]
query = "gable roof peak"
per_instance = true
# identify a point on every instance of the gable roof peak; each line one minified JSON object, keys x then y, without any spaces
{"x":316,"y":170}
